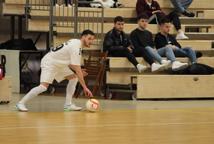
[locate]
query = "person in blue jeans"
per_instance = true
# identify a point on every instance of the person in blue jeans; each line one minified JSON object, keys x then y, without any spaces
{"x":181,"y":7}
{"x":164,"y":39}
{"x":142,"y":41}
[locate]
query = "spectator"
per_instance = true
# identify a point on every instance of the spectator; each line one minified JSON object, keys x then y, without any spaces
{"x":143,"y":41}
{"x":117,"y":44}
{"x":181,"y":7}
{"x":152,"y":8}
{"x":164,"y":39}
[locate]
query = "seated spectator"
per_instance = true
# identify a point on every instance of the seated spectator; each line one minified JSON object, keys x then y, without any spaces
{"x":106,"y":3}
{"x":181,"y":7}
{"x":152,"y":8}
{"x":143,"y":42}
{"x":117,"y":44}
{"x":164,"y":39}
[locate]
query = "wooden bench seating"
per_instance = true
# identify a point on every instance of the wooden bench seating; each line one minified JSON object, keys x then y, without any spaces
{"x":120,"y":69}
{"x":174,"y":86}
{"x":199,"y":4}
{"x":42,"y":25}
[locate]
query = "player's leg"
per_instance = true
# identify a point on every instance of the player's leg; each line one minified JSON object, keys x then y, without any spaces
{"x":30,"y":95}
{"x":66,"y":73}
{"x":70,"y":90}
{"x":47,"y":76}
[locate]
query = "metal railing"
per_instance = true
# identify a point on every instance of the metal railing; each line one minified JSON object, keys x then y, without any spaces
{"x":67,"y":19}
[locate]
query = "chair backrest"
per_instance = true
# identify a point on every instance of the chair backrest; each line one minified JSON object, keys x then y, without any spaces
{"x":92,"y":67}
{"x":97,"y":55}
{"x":95,"y":67}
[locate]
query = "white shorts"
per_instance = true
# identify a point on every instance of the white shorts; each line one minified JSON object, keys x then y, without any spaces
{"x":50,"y":72}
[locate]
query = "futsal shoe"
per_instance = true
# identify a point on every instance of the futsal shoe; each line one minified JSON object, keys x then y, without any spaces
{"x":72,"y":107}
{"x":21,"y":107}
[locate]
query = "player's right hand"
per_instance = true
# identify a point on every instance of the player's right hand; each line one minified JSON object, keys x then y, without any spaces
{"x":88,"y":93}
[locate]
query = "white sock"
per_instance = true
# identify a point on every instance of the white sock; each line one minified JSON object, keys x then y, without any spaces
{"x":33,"y":93}
{"x":70,"y":89}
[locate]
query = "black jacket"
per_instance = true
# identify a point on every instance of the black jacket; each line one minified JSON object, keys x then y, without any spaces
{"x":141,"y":39}
{"x":162,"y":41}
{"x":114,"y":41}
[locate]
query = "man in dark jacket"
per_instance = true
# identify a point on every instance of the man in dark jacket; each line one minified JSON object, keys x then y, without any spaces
{"x":164,"y":39}
{"x":117,"y":44}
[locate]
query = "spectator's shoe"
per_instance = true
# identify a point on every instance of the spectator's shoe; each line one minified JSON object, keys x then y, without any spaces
{"x":141,"y":68}
{"x":181,"y":36}
{"x":166,"y":63}
{"x":72,"y":107}
{"x":21,"y":107}
{"x":188,"y":13}
{"x":176,"y":65}
{"x":157,"y":67}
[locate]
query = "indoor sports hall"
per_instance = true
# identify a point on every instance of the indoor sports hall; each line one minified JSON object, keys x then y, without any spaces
{"x":81,"y":72}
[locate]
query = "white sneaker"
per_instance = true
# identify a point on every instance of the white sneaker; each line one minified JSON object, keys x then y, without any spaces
{"x":166,"y":63}
{"x":21,"y":107}
{"x":176,"y":65}
{"x":72,"y":107}
{"x":141,"y":68}
{"x":157,"y":67}
{"x":181,"y":36}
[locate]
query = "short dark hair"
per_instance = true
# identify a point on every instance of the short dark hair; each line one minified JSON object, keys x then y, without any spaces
{"x":87,"y":32}
{"x":118,"y":19}
{"x":163,"y":21}
{"x":142,"y":16}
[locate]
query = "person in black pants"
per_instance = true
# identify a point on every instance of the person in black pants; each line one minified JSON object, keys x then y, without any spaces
{"x":117,"y":44}
{"x":138,"y":41}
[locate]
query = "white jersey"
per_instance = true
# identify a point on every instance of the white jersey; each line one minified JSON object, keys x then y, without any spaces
{"x":67,"y":53}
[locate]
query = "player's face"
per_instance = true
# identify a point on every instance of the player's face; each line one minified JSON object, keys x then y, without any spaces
{"x":143,"y":23}
{"x":165,"y":28}
{"x":119,"y":26}
{"x":88,"y":40}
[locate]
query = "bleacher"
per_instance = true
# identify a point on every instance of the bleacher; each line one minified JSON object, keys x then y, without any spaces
{"x":200,"y":30}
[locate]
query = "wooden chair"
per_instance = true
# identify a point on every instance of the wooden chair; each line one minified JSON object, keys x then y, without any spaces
{"x":95,"y":66}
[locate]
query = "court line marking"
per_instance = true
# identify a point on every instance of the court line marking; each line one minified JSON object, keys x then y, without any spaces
{"x":106,"y":125}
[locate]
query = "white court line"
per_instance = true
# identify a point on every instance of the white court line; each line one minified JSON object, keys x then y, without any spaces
{"x":107,"y":125}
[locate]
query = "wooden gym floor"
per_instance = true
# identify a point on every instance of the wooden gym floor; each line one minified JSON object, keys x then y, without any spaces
{"x":118,"y":122}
